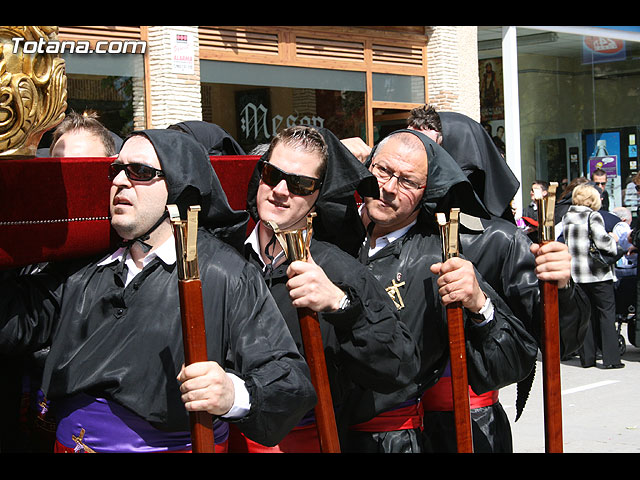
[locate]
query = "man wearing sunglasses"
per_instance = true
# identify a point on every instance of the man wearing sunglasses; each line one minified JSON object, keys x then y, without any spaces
{"x":599,"y":177}
{"x":308,"y":170}
{"x":115,"y":370}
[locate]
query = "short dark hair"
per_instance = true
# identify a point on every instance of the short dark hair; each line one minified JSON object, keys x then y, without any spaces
{"x":425,"y":118}
{"x":543,"y":183}
{"x":89,"y":122}
{"x":305,"y":138}
{"x":599,"y":172}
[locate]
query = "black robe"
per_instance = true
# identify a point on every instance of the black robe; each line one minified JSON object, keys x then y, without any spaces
{"x":125,"y":343}
{"x":501,"y":253}
{"x":364,"y":343}
{"x":499,"y":353}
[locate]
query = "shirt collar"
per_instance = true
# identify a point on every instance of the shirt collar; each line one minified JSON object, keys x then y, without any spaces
{"x":253,"y":241}
{"x":165,"y":252}
{"x":390,"y":237}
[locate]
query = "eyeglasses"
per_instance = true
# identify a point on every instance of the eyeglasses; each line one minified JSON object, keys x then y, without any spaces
{"x":600,"y":183}
{"x":138,"y":172}
{"x":296,"y":184}
{"x":384,"y":174}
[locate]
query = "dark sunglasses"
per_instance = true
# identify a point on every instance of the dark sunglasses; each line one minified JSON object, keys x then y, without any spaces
{"x":296,"y":184}
{"x":134,"y":171}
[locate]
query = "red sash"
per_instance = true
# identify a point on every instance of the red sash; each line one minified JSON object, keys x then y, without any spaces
{"x":302,"y":439}
{"x":403,"y":418}
{"x":440,"y":399}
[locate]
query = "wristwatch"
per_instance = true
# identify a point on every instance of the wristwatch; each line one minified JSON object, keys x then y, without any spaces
{"x":345,"y":302}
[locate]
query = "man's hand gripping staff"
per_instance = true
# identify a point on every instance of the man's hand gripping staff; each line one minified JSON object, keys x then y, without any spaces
{"x":296,"y":247}
{"x":550,"y":329}
{"x":457,"y":351}
{"x":192,"y":314}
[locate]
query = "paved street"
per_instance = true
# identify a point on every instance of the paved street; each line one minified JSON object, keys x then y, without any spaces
{"x":600,"y":408}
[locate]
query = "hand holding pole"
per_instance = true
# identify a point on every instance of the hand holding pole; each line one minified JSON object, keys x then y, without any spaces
{"x":550,"y":329}
{"x":457,"y":350}
{"x":296,"y":247}
{"x":192,"y":315}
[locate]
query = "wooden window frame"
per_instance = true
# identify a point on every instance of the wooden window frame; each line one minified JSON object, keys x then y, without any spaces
{"x":336,"y":48}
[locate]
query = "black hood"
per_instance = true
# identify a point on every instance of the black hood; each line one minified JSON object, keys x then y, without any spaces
{"x":191,"y":180}
{"x":447,"y":185}
{"x":215,"y":139}
{"x":473,"y":149}
{"x":337,"y":219}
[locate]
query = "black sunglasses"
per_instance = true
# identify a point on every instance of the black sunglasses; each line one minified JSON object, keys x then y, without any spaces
{"x":296,"y":184}
{"x":134,"y":171}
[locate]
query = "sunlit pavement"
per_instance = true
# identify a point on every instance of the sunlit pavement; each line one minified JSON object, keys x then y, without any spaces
{"x":600,"y":408}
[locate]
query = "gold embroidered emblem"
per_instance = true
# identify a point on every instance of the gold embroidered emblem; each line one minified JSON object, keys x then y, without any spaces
{"x":394,"y":291}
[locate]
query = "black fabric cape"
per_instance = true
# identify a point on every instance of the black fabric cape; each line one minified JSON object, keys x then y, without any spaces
{"x":125,"y":343}
{"x":192,"y":181}
{"x":473,"y":149}
{"x":500,"y":251}
{"x":337,"y":219}
{"x":447,"y":186}
{"x":215,"y":139}
{"x":498,"y":353}
{"x":363,"y":343}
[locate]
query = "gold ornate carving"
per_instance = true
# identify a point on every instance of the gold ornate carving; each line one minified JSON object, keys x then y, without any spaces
{"x":33,"y":89}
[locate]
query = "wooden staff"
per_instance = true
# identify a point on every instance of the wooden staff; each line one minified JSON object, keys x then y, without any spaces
{"x":192,"y":313}
{"x":296,"y":247}
{"x":457,"y":350}
{"x":550,"y":329}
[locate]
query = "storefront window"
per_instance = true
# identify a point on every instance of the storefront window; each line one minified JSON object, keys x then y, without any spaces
{"x":254,"y":102}
{"x":576,"y":92}
{"x":398,"y":88}
{"x":108,"y":84}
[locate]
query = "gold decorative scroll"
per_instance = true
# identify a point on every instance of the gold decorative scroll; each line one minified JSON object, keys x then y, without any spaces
{"x":33,"y":89}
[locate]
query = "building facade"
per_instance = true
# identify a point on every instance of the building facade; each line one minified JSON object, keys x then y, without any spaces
{"x":548,"y":95}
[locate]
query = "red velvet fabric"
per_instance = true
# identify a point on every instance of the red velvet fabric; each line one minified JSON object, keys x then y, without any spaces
{"x":48,"y":191}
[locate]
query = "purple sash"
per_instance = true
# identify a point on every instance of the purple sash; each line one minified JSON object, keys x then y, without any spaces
{"x":96,"y":424}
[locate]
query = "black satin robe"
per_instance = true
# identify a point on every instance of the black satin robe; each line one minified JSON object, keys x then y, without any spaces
{"x":364,"y":343}
{"x":501,"y":253}
{"x":499,"y":353}
{"x":125,"y":343}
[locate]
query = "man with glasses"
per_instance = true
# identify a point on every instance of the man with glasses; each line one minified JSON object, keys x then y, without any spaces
{"x":309,"y":171}
{"x":115,"y":370}
{"x":504,"y":257}
{"x":599,"y":178}
{"x":417,"y":178}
